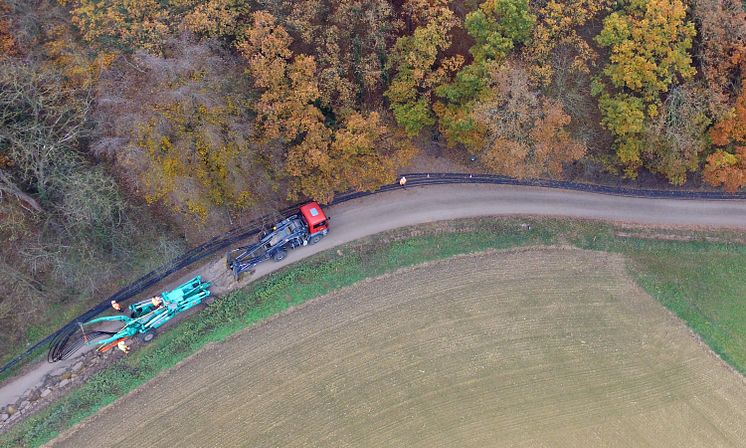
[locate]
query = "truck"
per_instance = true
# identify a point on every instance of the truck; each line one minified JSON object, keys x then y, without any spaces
{"x":307,"y":226}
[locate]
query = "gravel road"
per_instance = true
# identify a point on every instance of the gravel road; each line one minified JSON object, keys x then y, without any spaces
{"x":415,"y":205}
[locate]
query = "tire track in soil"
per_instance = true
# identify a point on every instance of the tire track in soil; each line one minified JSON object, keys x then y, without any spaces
{"x":526,"y":348}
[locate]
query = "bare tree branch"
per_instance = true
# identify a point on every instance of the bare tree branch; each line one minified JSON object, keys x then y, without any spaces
{"x":7,"y":186}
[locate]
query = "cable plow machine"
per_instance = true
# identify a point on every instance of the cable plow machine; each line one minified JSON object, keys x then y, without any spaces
{"x":143,"y":320}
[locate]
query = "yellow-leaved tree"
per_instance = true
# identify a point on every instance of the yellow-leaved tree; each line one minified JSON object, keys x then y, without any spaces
{"x":650,"y":43}
{"x":122,"y":25}
{"x":557,"y":26}
{"x":414,"y":58}
{"x":198,"y":157}
{"x":179,"y":131}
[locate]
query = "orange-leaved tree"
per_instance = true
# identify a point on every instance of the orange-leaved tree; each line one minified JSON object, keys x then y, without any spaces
{"x":727,"y":169}
{"x":361,"y":154}
{"x":285,"y":110}
{"x":727,"y":166}
{"x":8,"y":45}
{"x":721,"y":27}
{"x":732,"y":128}
{"x":350,"y":39}
{"x":526,"y":136}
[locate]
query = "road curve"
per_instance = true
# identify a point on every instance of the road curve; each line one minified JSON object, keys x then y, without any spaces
{"x":416,"y":205}
{"x":374,"y":214}
{"x":420,"y":204}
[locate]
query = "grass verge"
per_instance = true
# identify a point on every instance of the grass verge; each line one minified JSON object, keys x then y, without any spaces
{"x":703,"y":283}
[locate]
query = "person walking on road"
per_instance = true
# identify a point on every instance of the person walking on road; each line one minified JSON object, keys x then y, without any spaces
{"x":403,"y":182}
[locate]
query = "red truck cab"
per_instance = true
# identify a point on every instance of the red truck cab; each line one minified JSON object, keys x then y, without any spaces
{"x":317,"y":222}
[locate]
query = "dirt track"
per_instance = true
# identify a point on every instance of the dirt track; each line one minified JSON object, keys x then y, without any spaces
{"x":529,"y":348}
{"x":374,"y":214}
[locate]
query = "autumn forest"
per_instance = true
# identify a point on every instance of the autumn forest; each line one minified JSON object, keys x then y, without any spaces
{"x":131,"y":129}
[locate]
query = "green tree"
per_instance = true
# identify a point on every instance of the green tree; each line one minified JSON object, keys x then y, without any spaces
{"x":414,"y":58}
{"x":497,"y":26}
{"x":674,"y":140}
{"x":650,"y":41}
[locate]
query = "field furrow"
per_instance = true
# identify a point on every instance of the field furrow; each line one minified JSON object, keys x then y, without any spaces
{"x":554,"y":347}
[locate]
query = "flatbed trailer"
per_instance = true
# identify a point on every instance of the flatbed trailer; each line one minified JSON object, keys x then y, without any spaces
{"x":307,"y":226}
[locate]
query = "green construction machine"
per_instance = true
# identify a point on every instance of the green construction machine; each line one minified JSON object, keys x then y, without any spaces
{"x":144,"y":318}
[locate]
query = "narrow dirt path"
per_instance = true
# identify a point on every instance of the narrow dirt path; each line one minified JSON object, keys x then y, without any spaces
{"x":416,"y":205}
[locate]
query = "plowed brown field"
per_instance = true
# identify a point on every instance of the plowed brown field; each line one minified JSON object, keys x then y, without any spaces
{"x":553,"y":347}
